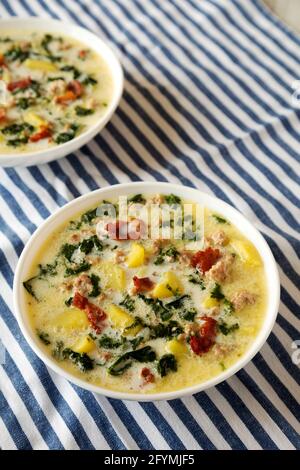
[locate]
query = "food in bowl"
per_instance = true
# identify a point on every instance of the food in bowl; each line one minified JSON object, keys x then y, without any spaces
{"x":52,"y":88}
{"x":135,"y":313}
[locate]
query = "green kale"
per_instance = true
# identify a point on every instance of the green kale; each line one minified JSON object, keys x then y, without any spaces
{"x":17,"y":142}
{"x":28,"y":286}
{"x":47,"y":270}
{"x":135,"y":342}
{"x":24,"y":103}
{"x":69,"y":301}
{"x":44,"y":337}
{"x":172,"y":199}
{"x":89,"y":80}
{"x":95,"y":283}
{"x":107,"y":342}
{"x":226,"y":329}
{"x":177,"y":303}
{"x":158,"y":307}
{"x":228,"y":307}
{"x":89,"y":216}
{"x":84,"y":266}
{"x":80,"y":111}
{"x":67,"y":135}
{"x":166,"y":364}
{"x":216,"y":292}
{"x":14,"y":129}
{"x":196,"y":279}
{"x":168,"y":330}
{"x":81,"y":360}
{"x":128,"y":302}
{"x":138,"y":198}
{"x":71,"y":68}
{"x":220,"y":220}
{"x":188,"y":315}
{"x":16,"y":53}
{"x":170,"y":252}
{"x":67,"y":250}
{"x":146,"y":354}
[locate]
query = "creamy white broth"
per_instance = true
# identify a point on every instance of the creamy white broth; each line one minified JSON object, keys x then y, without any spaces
{"x":47,"y":102}
{"x":235,"y":329}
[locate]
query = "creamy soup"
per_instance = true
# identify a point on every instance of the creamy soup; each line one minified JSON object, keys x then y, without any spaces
{"x":137,"y":314}
{"x":51,"y":89}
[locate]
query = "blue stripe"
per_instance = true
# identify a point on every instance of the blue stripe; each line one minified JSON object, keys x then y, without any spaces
{"x":247,"y":417}
{"x":191,"y":424}
{"x":265,"y":31}
{"x":135,"y":430}
{"x":31,"y":404}
{"x":13,"y":426}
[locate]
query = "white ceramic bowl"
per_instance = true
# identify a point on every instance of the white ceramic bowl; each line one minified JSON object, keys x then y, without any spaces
{"x":84,"y":203}
{"x":91,"y":41}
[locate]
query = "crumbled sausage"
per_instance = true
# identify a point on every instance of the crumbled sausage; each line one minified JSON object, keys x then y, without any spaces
{"x":119,"y":256}
{"x":185,"y":257}
{"x":243,"y":298}
{"x":220,"y":271}
{"x":83,"y":284}
{"x":218,"y":238}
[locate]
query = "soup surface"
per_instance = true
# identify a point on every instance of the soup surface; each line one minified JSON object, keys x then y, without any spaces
{"x":135,"y":314}
{"x":51,"y":89}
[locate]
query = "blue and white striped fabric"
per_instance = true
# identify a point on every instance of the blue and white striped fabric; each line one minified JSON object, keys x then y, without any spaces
{"x":207,"y":103}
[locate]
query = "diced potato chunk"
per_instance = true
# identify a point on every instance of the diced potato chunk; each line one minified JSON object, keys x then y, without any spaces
{"x":118,"y":317}
{"x":169,"y":286}
{"x":133,"y":330}
{"x":176,"y":347}
{"x":34,"y":119}
{"x":72,"y":319}
{"x":112,"y":276}
{"x":210,"y":302}
{"x":136,"y":256}
{"x":247,"y":252}
{"x":6,"y":75}
{"x":84,"y":345}
{"x":42,"y":65}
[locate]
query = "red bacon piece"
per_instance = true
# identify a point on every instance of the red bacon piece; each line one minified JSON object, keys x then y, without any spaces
{"x":42,"y":134}
{"x":95,"y":314}
{"x":142,"y":284}
{"x":20,"y":84}
{"x":205,"y":259}
{"x":121,"y":230}
{"x":147,"y":375}
{"x":205,"y":339}
{"x":76,"y":87}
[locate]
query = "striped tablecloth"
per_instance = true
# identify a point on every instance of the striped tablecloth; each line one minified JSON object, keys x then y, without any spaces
{"x":208,"y":103}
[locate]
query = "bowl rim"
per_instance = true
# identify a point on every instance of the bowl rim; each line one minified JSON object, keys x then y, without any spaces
{"x":273,"y":283}
{"x":72,"y":30}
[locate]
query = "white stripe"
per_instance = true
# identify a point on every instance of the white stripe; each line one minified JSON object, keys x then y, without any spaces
{"x":6,"y":441}
{"x":21,"y":413}
{"x":260,"y":414}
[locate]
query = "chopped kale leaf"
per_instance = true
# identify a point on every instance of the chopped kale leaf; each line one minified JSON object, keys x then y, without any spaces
{"x":81,"y":360}
{"x":146,"y":354}
{"x":226,"y":329}
{"x":166,"y":364}
{"x":219,"y":219}
{"x":216,"y":292}
{"x":96,"y":288}
{"x":44,"y":337}
{"x":80,"y":111}
{"x":172,"y":199}
{"x":128,"y":302}
{"x":137,"y":198}
{"x":78,"y":269}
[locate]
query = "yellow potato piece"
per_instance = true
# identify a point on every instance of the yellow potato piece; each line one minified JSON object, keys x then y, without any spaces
{"x":169,"y":286}
{"x":118,"y":317}
{"x":34,"y":119}
{"x":247,"y":252}
{"x":6,"y":75}
{"x":84,"y":345}
{"x":210,"y":302}
{"x":42,"y":65}
{"x":112,"y":276}
{"x":72,"y":319}
{"x":136,"y":256}
{"x":176,"y":347}
{"x":132,"y":330}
